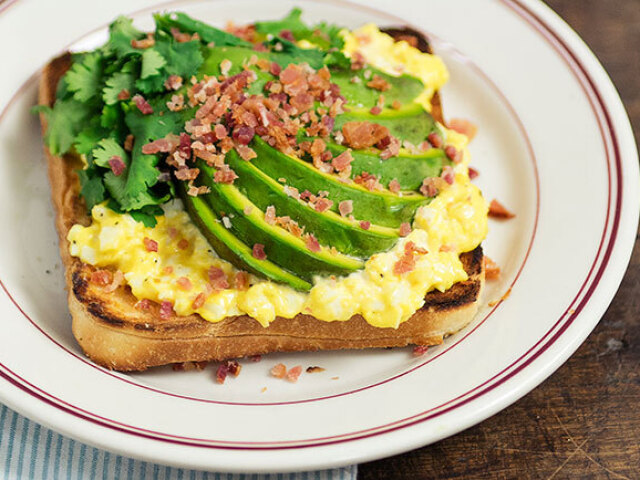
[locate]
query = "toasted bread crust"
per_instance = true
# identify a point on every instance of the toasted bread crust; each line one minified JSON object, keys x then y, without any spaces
{"x":113,"y":333}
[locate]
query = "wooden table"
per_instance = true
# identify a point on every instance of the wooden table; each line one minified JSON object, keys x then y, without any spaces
{"x":584,"y":421}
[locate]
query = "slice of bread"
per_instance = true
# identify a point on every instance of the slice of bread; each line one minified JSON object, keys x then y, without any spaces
{"x":118,"y":336}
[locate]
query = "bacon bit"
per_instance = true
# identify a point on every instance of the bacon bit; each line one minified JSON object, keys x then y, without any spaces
{"x":291,"y":192}
{"x":164,"y":145}
{"x":315,"y":369}
{"x":246,"y":153}
{"x":247,"y":210}
{"x":396,"y":105}
{"x":183,"y":244}
{"x":220,"y":131}
{"x":243,"y":134}
{"x":124,"y":94}
{"x":368,"y":180}
{"x":117,"y":165}
{"x":497,"y":210}
{"x":407,"y":262}
{"x":275,"y":69}
{"x":447,"y":174}
{"x":224,"y":175}
{"x":293,"y":79}
{"x":287,"y":35}
{"x":221,"y":373}
{"x":463,"y":126}
{"x":376,"y":110}
{"x":241,"y":281}
{"x":168,"y":270}
{"x":502,"y":299}
{"x":294,"y":373}
{"x":150,"y":245}
{"x":392,"y":147}
{"x":378,"y":83}
{"x":217,"y":278}
{"x":453,"y":154}
{"x":323,"y":204}
{"x":101,"y":277}
{"x":279,"y":370}
{"x":185,"y":173}
{"x":435,"y":140}
{"x":176,"y":103}
{"x":405,"y":229}
{"x":258,"y":251}
{"x":420,"y":350}
{"x":184,"y":283}
{"x":233,"y":367}
{"x":174,"y":82}
{"x":128,"y":142}
{"x":360,"y":135}
{"x":345,"y":207}
{"x":142,"y":105}
{"x":302,"y":102}
{"x":144,"y":43}
{"x":357,"y":61}
{"x":144,"y":304}
{"x":473,"y":173}
{"x":394,"y":186}
{"x":166,"y":310}
{"x":312,"y":243}
{"x":365,"y":225}
{"x":198,"y":302}
{"x":491,"y":269}
{"x":225,"y":66}
{"x":270,"y":215}
{"x":429,"y":187}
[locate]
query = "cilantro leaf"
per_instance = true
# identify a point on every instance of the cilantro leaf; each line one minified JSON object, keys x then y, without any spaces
{"x":84,"y":78}
{"x":64,"y":122}
{"x":115,"y":84}
{"x":183,"y":59}
{"x":121,"y":32}
{"x":207,"y":33}
{"x":288,"y":52}
{"x":106,"y":149}
{"x":152,"y":63}
{"x":92,"y":188}
{"x":88,"y":138}
{"x":147,"y":215}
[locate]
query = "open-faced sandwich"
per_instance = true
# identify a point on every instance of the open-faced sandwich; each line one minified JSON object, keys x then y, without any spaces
{"x":272,"y":187}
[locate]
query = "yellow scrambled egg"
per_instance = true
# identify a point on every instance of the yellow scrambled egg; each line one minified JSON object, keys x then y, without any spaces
{"x":454,"y":222}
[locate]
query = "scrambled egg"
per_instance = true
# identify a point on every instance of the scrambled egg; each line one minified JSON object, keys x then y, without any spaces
{"x":454,"y":222}
{"x":396,"y":58}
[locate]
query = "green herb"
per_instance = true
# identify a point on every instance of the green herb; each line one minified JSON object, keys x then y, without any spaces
{"x":207,"y":33}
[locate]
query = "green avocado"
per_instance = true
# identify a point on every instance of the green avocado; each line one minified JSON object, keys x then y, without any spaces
{"x":380,"y":207}
{"x":328,"y":227}
{"x":232,"y":249}
{"x":282,"y":247}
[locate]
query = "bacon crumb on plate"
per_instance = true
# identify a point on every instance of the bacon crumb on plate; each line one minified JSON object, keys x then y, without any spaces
{"x":279,"y":370}
{"x":473,"y":173}
{"x":294,"y":373}
{"x":420,"y":350}
{"x":491,"y":269}
{"x":315,"y":369}
{"x":497,"y":210}
{"x":101,"y":277}
{"x":221,"y":373}
{"x":463,"y":126}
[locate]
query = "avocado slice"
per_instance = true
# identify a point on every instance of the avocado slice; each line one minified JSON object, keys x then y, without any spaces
{"x":232,"y":249}
{"x":328,"y":227}
{"x":380,"y":207}
{"x":408,"y":169}
{"x":282,"y":247}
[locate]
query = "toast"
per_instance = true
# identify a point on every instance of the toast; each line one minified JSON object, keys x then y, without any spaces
{"x":118,"y":336}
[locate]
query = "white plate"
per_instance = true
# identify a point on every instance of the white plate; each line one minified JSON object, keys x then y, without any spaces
{"x":554,"y":145}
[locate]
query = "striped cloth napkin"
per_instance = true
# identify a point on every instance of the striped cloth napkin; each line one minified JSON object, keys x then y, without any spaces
{"x":28,"y":450}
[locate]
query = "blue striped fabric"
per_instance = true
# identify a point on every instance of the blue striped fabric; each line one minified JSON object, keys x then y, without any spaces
{"x":30,"y":451}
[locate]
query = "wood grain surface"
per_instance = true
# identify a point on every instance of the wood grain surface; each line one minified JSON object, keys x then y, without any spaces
{"x":584,"y":421}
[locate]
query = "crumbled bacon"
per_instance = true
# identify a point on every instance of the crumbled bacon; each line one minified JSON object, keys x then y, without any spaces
{"x":405,"y":229}
{"x":491,"y":269}
{"x":184,"y":283}
{"x":124,"y":94}
{"x":375,"y":110}
{"x":454,"y":154}
{"x":221,"y":373}
{"x":391,"y":147}
{"x":182,"y":37}
{"x":312,"y":243}
{"x":224,"y":175}
{"x":365,"y":225}
{"x":225,"y":66}
{"x":378,"y":83}
{"x":144,"y":43}
{"x":291,"y":191}
{"x":294,"y":373}
{"x":473,"y":173}
{"x":217,"y":278}
{"x":246,"y":153}
{"x":435,"y":140}
{"x":185,"y":173}
{"x":360,"y":135}
{"x":394,"y":186}
{"x":117,"y":165}
{"x":128,"y":142}
{"x":173,"y":82}
{"x":448,"y":174}
{"x":279,"y":370}
{"x":142,"y":105}
{"x":407,"y":261}
{"x":420,"y":350}
{"x":293,"y":79}
{"x":396,"y":105}
{"x":270,"y":215}
{"x":463,"y":126}
{"x":183,"y":244}
{"x":176,"y":103}
{"x":198,"y":302}
{"x":323,"y":204}
{"x":369,"y":181}
{"x":164,"y":145}
{"x":497,"y":210}
{"x":241,"y":281}
{"x":315,"y":369}
{"x":101,"y":277}
{"x":345,"y":207}
{"x":258,"y":251}
{"x":166,"y":310}
{"x":143,"y":304}
{"x":150,"y":245}
{"x":233,"y":367}
{"x":429,"y":187}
